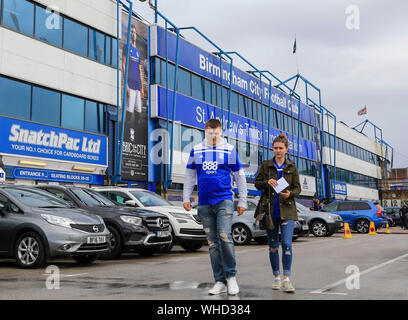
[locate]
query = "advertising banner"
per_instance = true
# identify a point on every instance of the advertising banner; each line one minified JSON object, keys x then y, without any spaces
{"x":208,"y":65}
{"x":135,"y":143}
{"x":339,"y":188}
{"x":30,"y":139}
{"x":195,"y":113}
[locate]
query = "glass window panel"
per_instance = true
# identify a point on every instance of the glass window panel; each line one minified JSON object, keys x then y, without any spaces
{"x":19,"y":16}
{"x":72,"y":112}
{"x":108,"y":50}
{"x":46,"y":106}
{"x":94,"y":117}
{"x":213,"y":93}
{"x":15,"y":99}
{"x":218,"y":95}
{"x":234,"y":100}
{"x":155,"y":70}
{"x":97,"y":46}
{"x":197,"y":86}
{"x":48,"y":26}
{"x":254,"y":109}
{"x":183,"y":82}
{"x":114,"y":53}
{"x":75,"y":37}
{"x":207,"y":91}
{"x":260,"y":115}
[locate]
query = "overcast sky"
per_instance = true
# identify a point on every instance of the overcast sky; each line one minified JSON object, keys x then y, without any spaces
{"x":353,"y":68}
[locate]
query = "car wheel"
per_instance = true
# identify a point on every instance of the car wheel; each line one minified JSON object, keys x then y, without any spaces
{"x":319,"y":228}
{"x":30,"y":251}
{"x":191,"y":246}
{"x":115,"y":245}
{"x":241,"y":234}
{"x":362,"y":226}
{"x":86,"y":259}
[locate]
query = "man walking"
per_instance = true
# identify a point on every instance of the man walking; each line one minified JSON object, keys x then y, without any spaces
{"x":403,"y":216}
{"x":213,"y":162}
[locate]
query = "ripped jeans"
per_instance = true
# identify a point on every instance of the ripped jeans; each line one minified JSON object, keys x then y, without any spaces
{"x":287,"y":227}
{"x":217,"y":220}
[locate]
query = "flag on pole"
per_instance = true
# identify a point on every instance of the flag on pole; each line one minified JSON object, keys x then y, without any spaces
{"x":294,"y":46}
{"x":362,"y":111}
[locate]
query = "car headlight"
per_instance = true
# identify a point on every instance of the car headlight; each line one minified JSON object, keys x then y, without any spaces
{"x":136,"y":221}
{"x":181,"y":215}
{"x":58,"y":221}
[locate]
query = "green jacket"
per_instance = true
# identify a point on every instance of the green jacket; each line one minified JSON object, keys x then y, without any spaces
{"x":287,"y":206}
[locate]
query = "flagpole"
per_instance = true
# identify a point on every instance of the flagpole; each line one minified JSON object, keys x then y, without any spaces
{"x":297,"y":61}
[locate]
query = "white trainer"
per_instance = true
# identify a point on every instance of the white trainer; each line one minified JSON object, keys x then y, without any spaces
{"x":232,"y":285}
{"x":219,"y":287}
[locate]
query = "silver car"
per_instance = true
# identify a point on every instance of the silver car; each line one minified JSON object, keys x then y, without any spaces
{"x":35,"y":225}
{"x":321,"y":224}
{"x":244,"y":228}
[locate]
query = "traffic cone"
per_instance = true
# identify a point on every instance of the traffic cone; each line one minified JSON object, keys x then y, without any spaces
{"x":372,"y":229}
{"x":347,"y":232}
{"x":387,"y":229}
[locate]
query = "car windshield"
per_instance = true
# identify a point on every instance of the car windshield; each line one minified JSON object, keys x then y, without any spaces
{"x":92,"y":198}
{"x":37,"y":198}
{"x":301,"y":207}
{"x":150,"y":199}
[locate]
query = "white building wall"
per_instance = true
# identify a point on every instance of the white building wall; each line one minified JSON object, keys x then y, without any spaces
{"x":27,"y":59}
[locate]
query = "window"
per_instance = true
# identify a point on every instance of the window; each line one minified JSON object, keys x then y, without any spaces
{"x":108,"y":47}
{"x":207,"y":91}
{"x":183,"y":82}
{"x":345,"y":206}
{"x":234,"y":100}
{"x":361,"y":206}
{"x":72,"y":112}
{"x":19,"y":16}
{"x":119,"y":197}
{"x":46,"y":106}
{"x":155,"y":70}
{"x":96,"y":46}
{"x":48,"y":26}
{"x":331,"y":207}
{"x":75,"y":37}
{"x":94,"y":117}
{"x":114,"y":52}
{"x":15,"y":99}
{"x":197,"y":86}
{"x":213,"y":93}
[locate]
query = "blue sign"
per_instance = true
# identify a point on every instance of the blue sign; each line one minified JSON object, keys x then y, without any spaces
{"x":208,"y":65}
{"x":35,"y":140}
{"x":195,"y":113}
{"x":57,"y":176}
{"x":339,"y":188}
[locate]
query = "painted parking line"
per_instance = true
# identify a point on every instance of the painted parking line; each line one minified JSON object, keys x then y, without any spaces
{"x":340,"y":282}
{"x":66,"y":275}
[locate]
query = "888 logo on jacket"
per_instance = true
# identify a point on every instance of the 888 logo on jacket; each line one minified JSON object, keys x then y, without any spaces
{"x":210,"y":167}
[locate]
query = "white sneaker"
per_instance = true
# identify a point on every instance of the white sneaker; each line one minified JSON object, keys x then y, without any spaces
{"x":218,"y":288}
{"x":232,"y":285}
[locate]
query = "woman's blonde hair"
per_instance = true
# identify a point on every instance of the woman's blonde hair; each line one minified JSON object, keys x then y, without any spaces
{"x":281,"y":138}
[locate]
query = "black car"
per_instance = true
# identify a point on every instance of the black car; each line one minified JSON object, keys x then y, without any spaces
{"x":132,"y":229}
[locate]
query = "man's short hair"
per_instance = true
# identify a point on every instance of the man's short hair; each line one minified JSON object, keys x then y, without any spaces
{"x":213,"y":124}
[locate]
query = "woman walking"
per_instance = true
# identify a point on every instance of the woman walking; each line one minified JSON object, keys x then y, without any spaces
{"x":281,"y":206}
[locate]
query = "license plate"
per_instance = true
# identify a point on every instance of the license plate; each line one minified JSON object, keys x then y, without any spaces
{"x":96,"y":240}
{"x":305,"y":227}
{"x":341,"y":224}
{"x":162,"y":234}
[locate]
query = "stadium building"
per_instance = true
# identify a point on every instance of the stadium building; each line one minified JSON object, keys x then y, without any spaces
{"x":64,"y":71}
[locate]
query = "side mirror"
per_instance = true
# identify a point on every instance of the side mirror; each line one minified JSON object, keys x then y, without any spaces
{"x":131,"y":203}
{"x":2,"y":213}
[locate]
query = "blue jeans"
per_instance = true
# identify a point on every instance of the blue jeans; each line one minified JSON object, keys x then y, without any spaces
{"x":287,"y":227}
{"x":217,"y":221}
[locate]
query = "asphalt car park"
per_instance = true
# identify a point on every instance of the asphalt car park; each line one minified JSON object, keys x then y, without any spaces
{"x":323,"y":268}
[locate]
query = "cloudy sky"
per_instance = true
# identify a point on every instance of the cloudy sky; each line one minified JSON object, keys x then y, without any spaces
{"x":355,"y":51}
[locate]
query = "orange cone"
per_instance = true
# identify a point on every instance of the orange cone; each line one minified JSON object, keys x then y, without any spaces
{"x":388,"y":229}
{"x":372,"y":229}
{"x":347,"y":232}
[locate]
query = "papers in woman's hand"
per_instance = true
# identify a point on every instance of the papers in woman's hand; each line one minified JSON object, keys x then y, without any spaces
{"x":282,"y":184}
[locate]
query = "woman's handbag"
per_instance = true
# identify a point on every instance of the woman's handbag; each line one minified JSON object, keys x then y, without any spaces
{"x":265,"y":215}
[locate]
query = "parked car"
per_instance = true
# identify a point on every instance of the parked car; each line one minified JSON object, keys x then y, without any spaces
{"x":35,"y":226}
{"x":244,"y":228}
{"x":131,"y":229}
{"x":321,"y":224}
{"x":186,"y":227}
{"x":393,"y":215}
{"x":358,"y":214}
